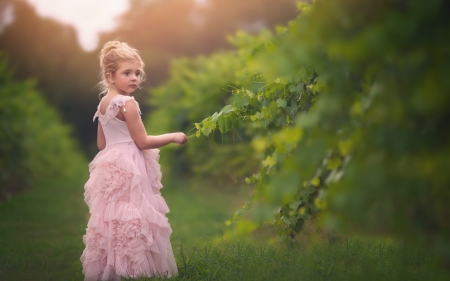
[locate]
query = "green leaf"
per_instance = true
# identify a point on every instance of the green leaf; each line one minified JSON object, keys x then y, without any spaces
{"x":270,"y":93}
{"x":257,"y":116}
{"x":234,"y":120}
{"x":266,"y":112}
{"x":228,"y":124}
{"x":286,"y":220}
{"x":215,"y":116}
{"x":208,"y":126}
{"x":303,"y":76}
{"x":269,"y":162}
{"x":281,"y":103}
{"x":273,"y":107}
{"x":334,"y":163}
{"x":222,"y":123}
{"x":315,"y":181}
{"x":294,"y":204}
{"x":228,"y":108}
{"x":241,"y":101}
{"x":250,"y":94}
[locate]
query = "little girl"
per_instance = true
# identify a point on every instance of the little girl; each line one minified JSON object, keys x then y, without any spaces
{"x":127,"y":233}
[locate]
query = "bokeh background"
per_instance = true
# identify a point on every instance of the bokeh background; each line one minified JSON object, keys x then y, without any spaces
{"x":44,"y":49}
{"x":319,"y":131}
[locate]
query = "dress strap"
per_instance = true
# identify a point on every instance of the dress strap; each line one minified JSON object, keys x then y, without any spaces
{"x":113,"y":108}
{"x":96,"y":114}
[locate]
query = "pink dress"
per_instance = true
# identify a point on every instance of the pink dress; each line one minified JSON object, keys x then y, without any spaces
{"x":127,"y":233}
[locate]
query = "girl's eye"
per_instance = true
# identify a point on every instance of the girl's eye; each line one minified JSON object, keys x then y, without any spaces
{"x":127,"y":73}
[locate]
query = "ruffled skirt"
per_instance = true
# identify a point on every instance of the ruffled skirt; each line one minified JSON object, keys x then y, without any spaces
{"x":127,"y":233}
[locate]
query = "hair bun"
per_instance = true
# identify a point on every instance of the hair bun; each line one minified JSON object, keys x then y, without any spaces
{"x":109,"y":46}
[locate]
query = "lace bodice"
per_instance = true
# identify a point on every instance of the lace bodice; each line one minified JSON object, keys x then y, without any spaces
{"x":115,"y":130}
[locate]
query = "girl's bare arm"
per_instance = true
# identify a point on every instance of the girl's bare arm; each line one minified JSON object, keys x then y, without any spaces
{"x":137,"y":130}
{"x":101,"y":141}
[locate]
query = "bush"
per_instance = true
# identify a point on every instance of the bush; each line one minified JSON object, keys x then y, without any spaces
{"x":34,"y":143}
{"x":350,"y":119}
{"x":197,"y":87}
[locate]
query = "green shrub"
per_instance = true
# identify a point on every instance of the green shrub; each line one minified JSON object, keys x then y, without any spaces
{"x":196,"y":89}
{"x":350,"y":118}
{"x":34,"y":144}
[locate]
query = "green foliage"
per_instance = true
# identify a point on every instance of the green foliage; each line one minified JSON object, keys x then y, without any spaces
{"x":196,"y":86}
{"x":33,"y":143}
{"x":350,"y":119}
{"x":268,"y":110}
{"x":382,"y":111}
{"x":48,"y":52}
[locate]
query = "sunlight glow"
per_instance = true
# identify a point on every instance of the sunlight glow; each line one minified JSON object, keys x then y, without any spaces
{"x":89,"y":17}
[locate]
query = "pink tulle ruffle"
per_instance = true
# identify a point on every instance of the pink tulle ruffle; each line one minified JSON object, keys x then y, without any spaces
{"x":128,"y":232}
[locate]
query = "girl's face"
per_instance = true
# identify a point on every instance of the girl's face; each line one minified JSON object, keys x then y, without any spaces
{"x":127,"y":78}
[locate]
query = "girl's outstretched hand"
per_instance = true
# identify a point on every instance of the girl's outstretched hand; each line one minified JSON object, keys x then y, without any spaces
{"x":179,"y":138}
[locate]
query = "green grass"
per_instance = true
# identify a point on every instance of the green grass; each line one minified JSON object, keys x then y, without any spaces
{"x":354,"y":259}
{"x":41,"y":230}
{"x":41,"y":239}
{"x":198,"y":210}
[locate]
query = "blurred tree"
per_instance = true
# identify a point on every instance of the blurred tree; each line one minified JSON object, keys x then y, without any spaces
{"x":160,"y":30}
{"x":47,"y":51}
{"x":250,"y":16}
{"x":43,"y":49}
{"x":34,"y":144}
{"x":163,"y":30}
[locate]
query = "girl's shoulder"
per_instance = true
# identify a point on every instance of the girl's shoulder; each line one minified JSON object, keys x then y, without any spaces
{"x":111,"y":107}
{"x":120,"y":100}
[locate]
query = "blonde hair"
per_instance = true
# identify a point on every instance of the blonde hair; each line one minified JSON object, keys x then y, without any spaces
{"x":112,"y":54}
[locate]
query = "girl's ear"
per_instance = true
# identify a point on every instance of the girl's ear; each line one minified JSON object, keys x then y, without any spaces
{"x":109,"y":77}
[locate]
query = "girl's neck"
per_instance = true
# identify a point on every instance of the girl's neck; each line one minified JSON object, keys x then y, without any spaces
{"x":114,"y":92}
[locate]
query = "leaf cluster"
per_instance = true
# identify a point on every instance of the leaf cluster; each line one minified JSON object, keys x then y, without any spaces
{"x":198,"y":86}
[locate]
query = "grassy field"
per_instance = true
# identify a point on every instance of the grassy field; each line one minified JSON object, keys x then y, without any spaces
{"x":198,"y":210}
{"x":41,"y":230}
{"x":354,"y":259}
{"x":41,"y":239}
